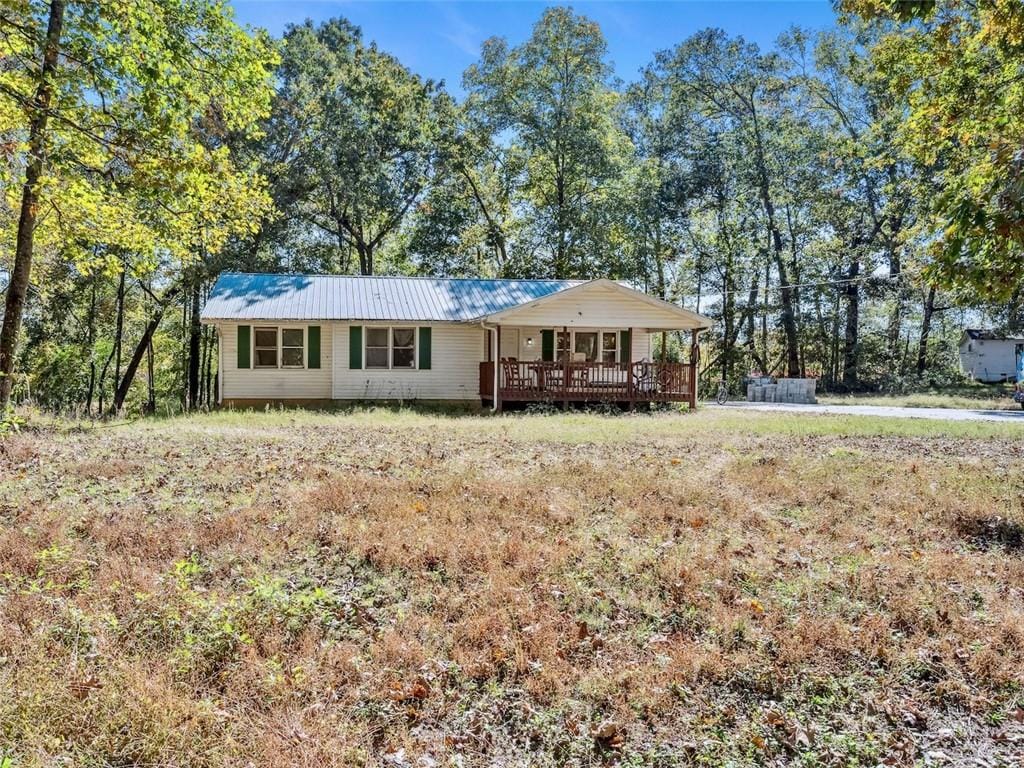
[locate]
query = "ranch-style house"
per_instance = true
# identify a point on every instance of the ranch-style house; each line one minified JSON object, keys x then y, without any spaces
{"x":315,"y":339}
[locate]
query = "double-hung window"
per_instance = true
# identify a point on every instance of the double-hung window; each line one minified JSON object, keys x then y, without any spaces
{"x":564,"y":339}
{"x":403,"y":347}
{"x":586,"y":345}
{"x":275,"y":347}
{"x":265,"y":347}
{"x":377,"y":347}
{"x":291,"y":348}
{"x":390,"y":347}
{"x":609,"y":347}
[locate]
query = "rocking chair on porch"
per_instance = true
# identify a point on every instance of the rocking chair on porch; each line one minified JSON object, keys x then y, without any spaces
{"x":644,"y":379}
{"x":513,"y":378}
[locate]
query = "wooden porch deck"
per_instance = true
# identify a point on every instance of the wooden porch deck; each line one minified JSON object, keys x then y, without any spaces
{"x":566,"y":382}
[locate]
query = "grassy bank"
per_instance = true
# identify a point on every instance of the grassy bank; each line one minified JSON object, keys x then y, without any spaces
{"x":974,"y":395}
{"x":393,"y":588}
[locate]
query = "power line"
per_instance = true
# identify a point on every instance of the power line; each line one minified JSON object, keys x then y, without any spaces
{"x":844,"y":281}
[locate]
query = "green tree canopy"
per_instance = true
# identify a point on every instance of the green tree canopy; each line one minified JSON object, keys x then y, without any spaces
{"x":552,"y":97}
{"x":108,"y":112}
{"x":365,"y":137}
{"x":958,"y":67}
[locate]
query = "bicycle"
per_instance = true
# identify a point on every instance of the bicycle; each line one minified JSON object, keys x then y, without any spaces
{"x":722,"y":396}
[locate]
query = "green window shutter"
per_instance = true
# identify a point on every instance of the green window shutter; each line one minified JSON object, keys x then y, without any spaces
{"x":355,"y":347}
{"x":244,"y":345}
{"x":625,"y":350}
{"x":547,"y":345}
{"x":424,"y":349}
{"x":313,"y":340}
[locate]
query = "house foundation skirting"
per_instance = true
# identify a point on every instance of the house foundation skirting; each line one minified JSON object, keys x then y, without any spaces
{"x":252,"y":403}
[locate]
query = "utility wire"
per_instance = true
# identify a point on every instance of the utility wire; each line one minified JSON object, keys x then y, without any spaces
{"x":844,"y":281}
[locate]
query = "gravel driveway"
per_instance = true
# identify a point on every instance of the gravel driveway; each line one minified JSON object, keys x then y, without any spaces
{"x":940,"y":414}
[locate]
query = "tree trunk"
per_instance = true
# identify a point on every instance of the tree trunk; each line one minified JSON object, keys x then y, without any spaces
{"x":344,"y":251}
{"x":365,"y":251}
{"x":17,"y":290}
{"x":90,"y":340}
{"x":765,"y":352}
{"x":926,"y":328}
{"x":194,"y":345}
{"x":150,"y":380}
{"x":119,"y":330}
{"x":834,"y":353}
{"x":728,"y":319}
{"x":1015,"y":312}
{"x":898,"y":305}
{"x":788,"y":317}
{"x":822,"y":333}
{"x":119,"y":325}
{"x":792,"y":354}
{"x":140,"y":349}
{"x":497,"y":235}
{"x":208,"y":374}
{"x":659,"y":271}
{"x":561,"y":265}
{"x":183,"y":351}
{"x":851,"y":341}
{"x":751,"y":311}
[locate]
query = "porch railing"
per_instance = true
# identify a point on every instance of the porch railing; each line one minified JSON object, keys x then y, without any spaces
{"x":536,"y":381}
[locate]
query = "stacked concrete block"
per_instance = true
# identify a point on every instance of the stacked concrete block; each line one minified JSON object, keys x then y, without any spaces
{"x":768,"y":390}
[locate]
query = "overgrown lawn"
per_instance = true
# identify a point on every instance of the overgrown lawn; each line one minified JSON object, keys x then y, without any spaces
{"x":391,"y":588}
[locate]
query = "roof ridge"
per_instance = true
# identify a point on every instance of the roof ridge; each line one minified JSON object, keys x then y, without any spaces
{"x":417,"y":277}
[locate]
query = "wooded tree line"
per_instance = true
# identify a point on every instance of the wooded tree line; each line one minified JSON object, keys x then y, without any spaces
{"x":840,"y":204}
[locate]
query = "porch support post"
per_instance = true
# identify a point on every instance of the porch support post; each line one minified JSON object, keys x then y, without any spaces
{"x":664,"y":346}
{"x":497,"y":369}
{"x":694,"y":359}
{"x":629,"y":372}
{"x":565,"y":368}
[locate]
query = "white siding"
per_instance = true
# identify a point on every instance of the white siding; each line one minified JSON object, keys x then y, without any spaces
{"x":641,"y":346}
{"x":513,"y":343}
{"x":274,"y":383}
{"x":989,"y":360}
{"x":456,"y":353}
{"x":594,"y":308}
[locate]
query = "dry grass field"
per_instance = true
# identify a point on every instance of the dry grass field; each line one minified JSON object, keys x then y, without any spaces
{"x":974,"y":395}
{"x":399,"y":589}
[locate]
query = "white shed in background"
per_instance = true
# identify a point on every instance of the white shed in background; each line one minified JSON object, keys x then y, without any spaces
{"x":989,"y":357}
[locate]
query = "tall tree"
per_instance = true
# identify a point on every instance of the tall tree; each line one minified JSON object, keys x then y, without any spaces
{"x":729,"y":82}
{"x":552,"y":97}
{"x":365,"y":139}
{"x":955,"y":65}
{"x":101,"y":100}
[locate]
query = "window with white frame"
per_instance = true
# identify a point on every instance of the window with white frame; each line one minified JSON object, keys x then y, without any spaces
{"x":390,"y":347}
{"x":609,"y":347}
{"x":276,"y":347}
{"x":403,"y":347}
{"x":564,"y":345}
{"x":377,"y":347}
{"x":292,"y":348}
{"x":585,"y":346}
{"x":265,"y":347}
{"x":591,"y":346}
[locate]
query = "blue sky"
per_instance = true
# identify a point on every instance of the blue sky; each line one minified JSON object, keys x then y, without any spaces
{"x":440,"y":39}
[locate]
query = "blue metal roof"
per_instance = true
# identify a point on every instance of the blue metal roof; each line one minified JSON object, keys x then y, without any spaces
{"x":238,"y":296}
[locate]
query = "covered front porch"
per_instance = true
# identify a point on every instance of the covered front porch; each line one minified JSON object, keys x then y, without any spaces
{"x":594,"y":342}
{"x":569,"y":365}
